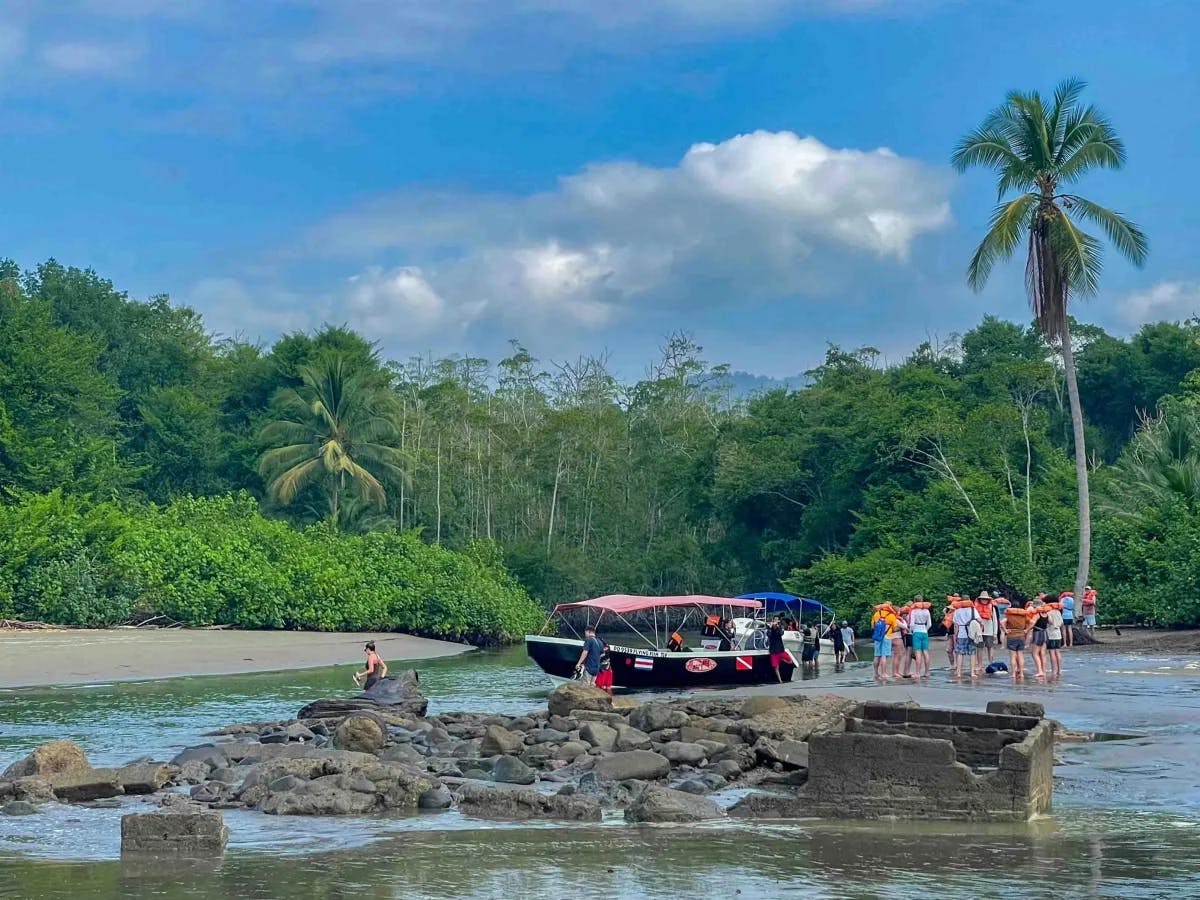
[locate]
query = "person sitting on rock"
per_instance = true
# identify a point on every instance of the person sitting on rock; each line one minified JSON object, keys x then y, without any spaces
{"x":375,"y":671}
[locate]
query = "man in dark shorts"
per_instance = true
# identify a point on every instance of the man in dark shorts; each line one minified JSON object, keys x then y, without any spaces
{"x":775,"y":646}
{"x":589,"y":659}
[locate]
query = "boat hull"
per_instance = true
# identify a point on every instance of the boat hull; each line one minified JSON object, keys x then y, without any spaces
{"x":633,"y":668}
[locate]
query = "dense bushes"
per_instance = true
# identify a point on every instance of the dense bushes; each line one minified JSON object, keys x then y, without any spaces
{"x":218,"y":561}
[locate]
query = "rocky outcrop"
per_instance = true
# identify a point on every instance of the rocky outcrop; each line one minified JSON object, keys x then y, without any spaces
{"x":360,"y":732}
{"x":177,"y":831}
{"x":661,"y":804}
{"x":510,"y":770}
{"x":499,"y":741}
{"x":656,"y":717}
{"x":397,"y":693}
{"x":576,"y":696}
{"x":643,"y":765}
{"x":143,"y":778}
{"x":55,"y":758}
{"x":496,"y":802}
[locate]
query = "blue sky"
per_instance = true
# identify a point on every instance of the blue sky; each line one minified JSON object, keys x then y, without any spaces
{"x":585,"y":177}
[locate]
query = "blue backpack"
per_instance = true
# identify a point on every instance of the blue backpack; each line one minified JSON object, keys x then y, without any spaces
{"x":880,"y":630}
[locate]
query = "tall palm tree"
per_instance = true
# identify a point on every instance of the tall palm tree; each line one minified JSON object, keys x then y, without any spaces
{"x":1041,"y":150}
{"x":1160,"y":467}
{"x":338,"y":428}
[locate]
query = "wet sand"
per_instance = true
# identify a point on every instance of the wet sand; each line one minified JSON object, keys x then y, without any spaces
{"x":29,"y":658}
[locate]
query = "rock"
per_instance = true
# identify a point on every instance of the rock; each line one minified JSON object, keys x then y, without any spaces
{"x":574,"y":695}
{"x":757,"y":706}
{"x":769,"y":806}
{"x":88,"y":784}
{"x":211,"y":756}
{"x":692,"y":786}
{"x":640,"y":764}
{"x":562,"y":723}
{"x":403,"y":754}
{"x":448,"y":768}
{"x":31,"y":788}
{"x":212,"y":792}
{"x":360,"y":733}
{"x":680,"y":752}
{"x":549,"y":736}
{"x":523,"y":723}
{"x":498,"y":741}
{"x":599,"y":735}
{"x":225,"y":776}
{"x":143,"y":778}
{"x":399,"y":786}
{"x":180,"y":830}
{"x":799,"y":718}
{"x":331,"y":795}
{"x":656,"y":716}
{"x":55,"y":758}
{"x":791,"y":754}
{"x":497,"y":802}
{"x":510,"y":770}
{"x":696,"y":735}
{"x":1017,"y":708}
{"x":194,"y":772}
{"x":19,"y":808}
{"x":399,"y":693}
{"x":727,"y":769}
{"x":630,"y":738}
{"x":435,"y":798}
{"x":661,"y":804}
{"x":570,"y":750}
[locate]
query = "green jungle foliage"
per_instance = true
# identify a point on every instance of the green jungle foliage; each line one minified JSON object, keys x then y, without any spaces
{"x":141,"y":458}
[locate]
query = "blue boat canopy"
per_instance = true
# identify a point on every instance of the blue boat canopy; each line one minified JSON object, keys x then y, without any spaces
{"x":787,"y":603}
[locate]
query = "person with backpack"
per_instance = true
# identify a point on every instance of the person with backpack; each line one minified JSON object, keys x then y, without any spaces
{"x":1016,"y":626}
{"x":883,"y":625}
{"x":966,"y":629}
{"x":919,"y":622}
{"x":986,"y":611}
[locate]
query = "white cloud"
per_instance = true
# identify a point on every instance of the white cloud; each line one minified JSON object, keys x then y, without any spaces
{"x":232,"y":307}
{"x":757,"y":217}
{"x":89,"y":57}
{"x":398,"y":303}
{"x":1167,"y":300}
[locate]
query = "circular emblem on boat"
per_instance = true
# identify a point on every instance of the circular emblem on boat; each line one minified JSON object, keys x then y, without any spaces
{"x":700,"y":664}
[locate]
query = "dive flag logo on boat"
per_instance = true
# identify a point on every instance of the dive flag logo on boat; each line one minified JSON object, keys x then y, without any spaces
{"x":643,"y":663}
{"x":745,"y":664}
{"x":700,"y":665}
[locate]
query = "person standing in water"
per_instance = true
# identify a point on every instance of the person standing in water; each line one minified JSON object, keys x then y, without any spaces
{"x":375,"y":671}
{"x":589,"y":658}
{"x":919,"y":622}
{"x":775,"y":646}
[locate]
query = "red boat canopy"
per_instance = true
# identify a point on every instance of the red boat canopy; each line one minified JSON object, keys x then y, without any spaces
{"x":629,"y":603}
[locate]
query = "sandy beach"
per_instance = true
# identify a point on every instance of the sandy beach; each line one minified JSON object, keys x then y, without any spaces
{"x":86,"y":656}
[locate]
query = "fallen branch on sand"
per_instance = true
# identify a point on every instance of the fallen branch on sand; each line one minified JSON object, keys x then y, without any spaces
{"x":22,"y":625}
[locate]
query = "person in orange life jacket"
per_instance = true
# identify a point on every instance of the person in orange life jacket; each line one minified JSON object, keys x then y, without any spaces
{"x":899,"y":628}
{"x":1038,"y":621}
{"x":1089,"y":607}
{"x":1000,"y":604}
{"x":1054,"y":638}
{"x":883,"y":626}
{"x":919,"y":622}
{"x":987,"y":621}
{"x":948,"y":625}
{"x":964,"y":643}
{"x":1016,"y":626}
{"x":1067,"y":601}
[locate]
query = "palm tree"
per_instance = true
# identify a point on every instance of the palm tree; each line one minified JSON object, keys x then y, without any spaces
{"x":1159,"y":468}
{"x":337,"y":427}
{"x":1040,"y":151}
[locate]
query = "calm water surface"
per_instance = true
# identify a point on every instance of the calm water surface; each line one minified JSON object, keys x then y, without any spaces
{"x":1126,"y":822}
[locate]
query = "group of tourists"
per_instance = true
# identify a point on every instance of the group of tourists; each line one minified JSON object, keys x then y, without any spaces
{"x":975,"y":627}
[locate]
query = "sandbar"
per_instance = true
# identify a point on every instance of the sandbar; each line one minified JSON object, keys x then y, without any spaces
{"x":83,"y":656}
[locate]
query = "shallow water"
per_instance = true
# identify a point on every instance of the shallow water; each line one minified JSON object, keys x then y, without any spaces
{"x":1126,"y":822}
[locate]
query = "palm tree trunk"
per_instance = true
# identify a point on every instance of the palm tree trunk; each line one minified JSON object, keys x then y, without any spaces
{"x":1081,"y":469}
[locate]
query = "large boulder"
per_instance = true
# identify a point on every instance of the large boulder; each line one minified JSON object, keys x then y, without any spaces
{"x":661,"y":804}
{"x":399,"y":693}
{"x":789,"y":754}
{"x":510,"y":770}
{"x":436,"y":798}
{"x":498,"y":741}
{"x":644,"y":765}
{"x":360,"y":733}
{"x":181,"y":830}
{"x":87,"y":784}
{"x":656,"y":717}
{"x":630,"y":738}
{"x":599,"y":735}
{"x":143,"y":778}
{"x":330,"y":795}
{"x":55,"y":758}
{"x":570,"y":751}
{"x":761,"y":805}
{"x":683,"y":753}
{"x":211,"y":756}
{"x":490,"y":801}
{"x":575,"y":695}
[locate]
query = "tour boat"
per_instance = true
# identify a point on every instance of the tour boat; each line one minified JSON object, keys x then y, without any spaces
{"x":638,"y":637}
{"x":751,"y":631}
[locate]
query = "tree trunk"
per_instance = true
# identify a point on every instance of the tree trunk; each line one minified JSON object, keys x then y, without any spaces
{"x":1081,"y":469}
{"x":1028,"y":483}
{"x":438,"y":538}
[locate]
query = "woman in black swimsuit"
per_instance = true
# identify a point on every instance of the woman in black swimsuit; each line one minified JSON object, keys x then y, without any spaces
{"x":376,"y":669}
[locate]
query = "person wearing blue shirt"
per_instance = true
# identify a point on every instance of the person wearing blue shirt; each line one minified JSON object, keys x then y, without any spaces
{"x":589,"y":659}
{"x":1068,"y":613}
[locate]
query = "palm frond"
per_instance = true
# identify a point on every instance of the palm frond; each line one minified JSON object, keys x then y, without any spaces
{"x":289,"y":483}
{"x":1066,"y":95}
{"x":283,"y":458}
{"x":1129,"y":240}
{"x":1003,"y":236}
{"x":1078,"y":255}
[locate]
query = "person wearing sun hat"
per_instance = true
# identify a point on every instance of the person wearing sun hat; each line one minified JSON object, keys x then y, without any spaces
{"x":987,"y":619}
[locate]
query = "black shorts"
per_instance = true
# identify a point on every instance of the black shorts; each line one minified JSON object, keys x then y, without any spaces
{"x":1052,"y":644}
{"x":908,"y":641}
